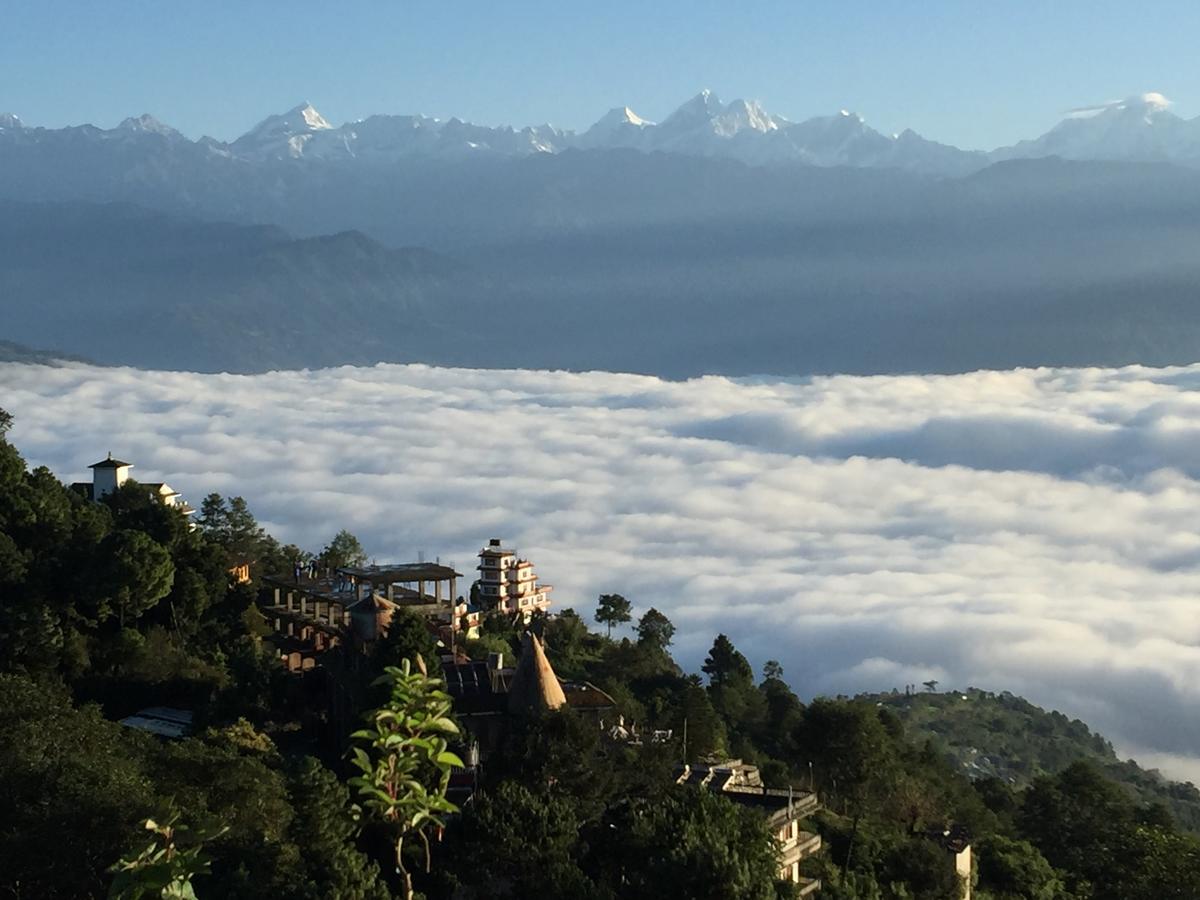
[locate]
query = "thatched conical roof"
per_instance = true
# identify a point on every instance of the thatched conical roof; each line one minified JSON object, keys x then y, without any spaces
{"x":535,"y":687}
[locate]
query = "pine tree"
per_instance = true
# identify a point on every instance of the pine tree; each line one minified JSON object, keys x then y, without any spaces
{"x":324,"y":829}
{"x":214,"y":519}
{"x":655,"y":630}
{"x":725,"y":665}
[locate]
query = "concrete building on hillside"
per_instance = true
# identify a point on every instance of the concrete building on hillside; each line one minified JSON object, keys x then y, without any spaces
{"x":510,"y":584}
{"x":310,"y":615}
{"x":956,"y":841}
{"x":782,"y":809}
{"x":110,"y":474}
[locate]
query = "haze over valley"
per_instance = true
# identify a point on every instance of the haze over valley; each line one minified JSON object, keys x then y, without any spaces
{"x":725,"y":239}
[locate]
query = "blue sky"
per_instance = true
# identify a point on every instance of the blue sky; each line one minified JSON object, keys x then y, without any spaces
{"x":970,"y":73}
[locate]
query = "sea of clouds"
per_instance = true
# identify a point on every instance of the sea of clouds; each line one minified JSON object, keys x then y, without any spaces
{"x":1036,"y":531}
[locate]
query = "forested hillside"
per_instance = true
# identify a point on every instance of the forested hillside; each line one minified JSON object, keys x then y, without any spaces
{"x":110,"y":607}
{"x":1007,"y":737}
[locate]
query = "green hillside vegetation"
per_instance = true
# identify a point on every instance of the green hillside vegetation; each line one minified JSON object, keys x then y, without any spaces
{"x":110,"y":607}
{"x":1006,"y":737}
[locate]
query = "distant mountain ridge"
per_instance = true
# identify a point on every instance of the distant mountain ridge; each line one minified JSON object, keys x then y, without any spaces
{"x":1139,"y":128}
{"x":724,"y":239}
{"x":130,"y":286}
{"x":11,"y":352}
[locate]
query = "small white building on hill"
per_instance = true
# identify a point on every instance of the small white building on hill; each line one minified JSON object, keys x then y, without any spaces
{"x":110,"y":474}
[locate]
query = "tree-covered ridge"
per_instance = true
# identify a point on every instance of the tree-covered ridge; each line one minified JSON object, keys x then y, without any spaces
{"x":1006,"y":737}
{"x":109,"y":607}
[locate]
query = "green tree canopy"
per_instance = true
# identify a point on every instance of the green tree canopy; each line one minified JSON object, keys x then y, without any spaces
{"x":655,"y":630}
{"x":524,"y":843}
{"x":613,"y":609}
{"x":325,"y":829}
{"x":343,"y":550}
{"x":1014,"y":870}
{"x":68,"y":779}
{"x":702,"y":847}
{"x":137,"y":573}
{"x":725,"y":664}
{"x":851,"y":751}
{"x":699,"y":725}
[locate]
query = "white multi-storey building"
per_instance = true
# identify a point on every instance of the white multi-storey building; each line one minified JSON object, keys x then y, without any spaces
{"x":509,"y":583}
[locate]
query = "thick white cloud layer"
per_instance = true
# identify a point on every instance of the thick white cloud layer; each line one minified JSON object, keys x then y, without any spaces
{"x":1035,"y":531}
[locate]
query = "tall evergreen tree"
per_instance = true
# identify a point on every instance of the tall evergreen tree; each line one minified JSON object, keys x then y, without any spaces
{"x":613,"y":609}
{"x":725,"y":665}
{"x":655,"y":630}
{"x":699,"y":726}
{"x":325,"y":831}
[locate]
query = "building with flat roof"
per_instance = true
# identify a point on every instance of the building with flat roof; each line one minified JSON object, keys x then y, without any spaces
{"x":509,"y":583}
{"x":783,"y":810}
{"x":357,"y":603}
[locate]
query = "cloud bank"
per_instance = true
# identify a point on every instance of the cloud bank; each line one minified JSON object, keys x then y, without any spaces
{"x":1034,"y":531}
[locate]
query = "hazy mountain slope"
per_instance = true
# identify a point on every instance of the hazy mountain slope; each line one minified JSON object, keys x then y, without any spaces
{"x":995,"y":271}
{"x":635,"y":261}
{"x":1139,"y":128}
{"x":19,"y":353}
{"x":125,"y":285}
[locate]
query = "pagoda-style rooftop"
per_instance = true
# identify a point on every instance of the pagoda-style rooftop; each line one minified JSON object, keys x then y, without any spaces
{"x":111,"y":463}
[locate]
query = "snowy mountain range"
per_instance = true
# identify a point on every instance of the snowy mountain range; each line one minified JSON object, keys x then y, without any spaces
{"x":1139,"y":128}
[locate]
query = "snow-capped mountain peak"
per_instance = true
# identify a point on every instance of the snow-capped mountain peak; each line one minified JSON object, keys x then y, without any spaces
{"x":627,"y":116}
{"x":739,"y":114}
{"x":283,"y":135}
{"x":1140,"y":127}
{"x":297,"y":120}
{"x":619,"y":127}
{"x":147,"y":124}
{"x":1138,"y":105}
{"x":703,"y":107}
{"x":703,"y":125}
{"x":311,"y":117}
